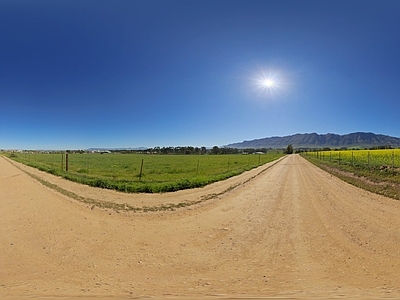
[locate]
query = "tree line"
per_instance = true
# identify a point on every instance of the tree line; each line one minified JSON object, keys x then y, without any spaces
{"x":189,"y":150}
{"x":180,"y":150}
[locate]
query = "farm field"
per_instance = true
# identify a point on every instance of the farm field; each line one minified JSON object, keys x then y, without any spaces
{"x":285,"y":230}
{"x":144,"y":173}
{"x":367,"y":159}
{"x":374,"y":170}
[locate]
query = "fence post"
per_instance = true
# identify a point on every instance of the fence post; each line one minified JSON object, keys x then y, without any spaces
{"x":369,"y":168}
{"x":141,"y":170}
{"x":352,"y":159}
{"x":66,"y":162}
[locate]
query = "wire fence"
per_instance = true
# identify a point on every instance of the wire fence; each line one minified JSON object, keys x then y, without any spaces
{"x":131,"y":172}
{"x":374,"y":160}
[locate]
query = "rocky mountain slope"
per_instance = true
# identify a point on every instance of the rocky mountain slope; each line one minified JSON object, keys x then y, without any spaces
{"x":314,"y":140}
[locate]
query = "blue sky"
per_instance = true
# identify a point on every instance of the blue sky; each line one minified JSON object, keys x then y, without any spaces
{"x":80,"y":74}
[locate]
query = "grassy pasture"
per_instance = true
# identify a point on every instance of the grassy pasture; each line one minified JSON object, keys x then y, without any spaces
{"x":160,"y":173}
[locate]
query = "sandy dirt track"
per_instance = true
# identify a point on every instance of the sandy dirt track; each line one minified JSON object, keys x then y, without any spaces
{"x":291,"y":231}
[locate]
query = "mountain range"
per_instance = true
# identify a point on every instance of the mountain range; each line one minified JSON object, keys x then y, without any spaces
{"x":314,"y":140}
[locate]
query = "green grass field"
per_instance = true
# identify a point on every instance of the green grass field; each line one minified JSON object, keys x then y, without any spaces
{"x":160,"y":173}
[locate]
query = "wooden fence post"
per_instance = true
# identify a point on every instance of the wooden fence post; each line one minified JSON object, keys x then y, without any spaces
{"x":141,"y":170}
{"x":66,"y":162}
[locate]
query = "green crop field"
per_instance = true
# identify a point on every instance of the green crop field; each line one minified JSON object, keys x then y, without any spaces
{"x":158,"y":173}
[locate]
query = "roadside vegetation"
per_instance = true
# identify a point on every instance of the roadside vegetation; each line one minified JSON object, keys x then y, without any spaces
{"x":147,"y":173}
{"x":377,"y":171}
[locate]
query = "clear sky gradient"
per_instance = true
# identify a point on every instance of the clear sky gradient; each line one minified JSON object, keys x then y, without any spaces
{"x":80,"y":74}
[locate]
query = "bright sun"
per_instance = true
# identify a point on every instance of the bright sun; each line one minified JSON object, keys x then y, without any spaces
{"x":268,"y":83}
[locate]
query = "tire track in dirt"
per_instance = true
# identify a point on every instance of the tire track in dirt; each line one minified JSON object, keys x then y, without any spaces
{"x":138,"y":202}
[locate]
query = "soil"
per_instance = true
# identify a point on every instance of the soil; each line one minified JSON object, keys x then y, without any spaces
{"x":284,"y":230}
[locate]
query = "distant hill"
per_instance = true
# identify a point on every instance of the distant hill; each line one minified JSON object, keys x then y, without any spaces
{"x":314,"y":140}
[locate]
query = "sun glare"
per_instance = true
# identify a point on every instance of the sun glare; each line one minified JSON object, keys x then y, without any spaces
{"x":268,"y":83}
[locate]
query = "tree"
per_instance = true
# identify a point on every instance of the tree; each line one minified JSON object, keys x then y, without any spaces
{"x":215,"y":150}
{"x":289,"y":149}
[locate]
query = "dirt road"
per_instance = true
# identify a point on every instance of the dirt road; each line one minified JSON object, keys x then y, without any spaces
{"x":293,"y":231}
